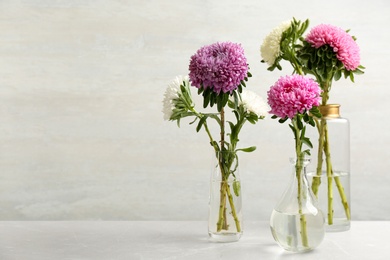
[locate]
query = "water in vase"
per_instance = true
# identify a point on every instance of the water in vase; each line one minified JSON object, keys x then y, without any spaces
{"x":229,"y":231}
{"x":287,"y":230}
{"x":341,"y":211}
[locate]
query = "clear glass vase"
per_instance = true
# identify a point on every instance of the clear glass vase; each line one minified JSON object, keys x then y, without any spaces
{"x":225,"y":204}
{"x":297,"y":224}
{"x":329,"y":172}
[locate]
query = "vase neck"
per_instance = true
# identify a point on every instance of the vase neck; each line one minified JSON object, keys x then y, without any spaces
{"x":298,"y":197}
{"x":330,"y":110}
{"x":299,"y":174}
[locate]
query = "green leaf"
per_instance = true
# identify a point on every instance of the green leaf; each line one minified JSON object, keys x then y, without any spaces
{"x":232,"y":127}
{"x":358,"y":72}
{"x":337,"y":75}
{"x":352,"y":77}
{"x":303,"y":131}
{"x":178,"y":122}
{"x":239,"y":88}
{"x":196,"y":118}
{"x":236,"y":114}
{"x":293,"y":129}
{"x":315,"y":112}
{"x":213,"y":99}
{"x":311,"y":122}
{"x":215,"y":145}
{"x":219,"y":104}
{"x":222,"y":100}
{"x":247,"y":150}
{"x":346,"y":74}
{"x":225,"y":98}
{"x":231,"y":104}
{"x":274,"y":117}
{"x":306,"y":117}
{"x":282,"y":120}
{"x":206,"y":99}
{"x":236,"y":187}
{"x":252,"y":118}
{"x":306,"y":141}
{"x":200,"y":124}
{"x":299,"y":123}
{"x":235,"y":96}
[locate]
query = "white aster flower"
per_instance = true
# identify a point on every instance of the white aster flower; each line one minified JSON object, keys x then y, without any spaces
{"x":253,"y":103}
{"x":270,"y":49}
{"x":171,"y":94}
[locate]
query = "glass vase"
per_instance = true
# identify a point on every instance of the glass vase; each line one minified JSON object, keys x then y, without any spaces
{"x":225,"y":204}
{"x":329,"y":172}
{"x":297,"y":224}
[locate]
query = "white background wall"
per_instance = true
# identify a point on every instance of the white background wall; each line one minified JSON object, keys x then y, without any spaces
{"x":81,"y":128}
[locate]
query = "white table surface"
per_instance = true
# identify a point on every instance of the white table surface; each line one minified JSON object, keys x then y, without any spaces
{"x":176,"y":240}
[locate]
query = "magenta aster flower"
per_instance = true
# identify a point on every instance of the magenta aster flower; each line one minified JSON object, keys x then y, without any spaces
{"x":345,"y":47}
{"x":219,"y":66}
{"x":294,"y":94}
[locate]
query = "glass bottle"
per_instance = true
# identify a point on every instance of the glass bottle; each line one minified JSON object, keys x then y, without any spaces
{"x":329,"y":172}
{"x":297,"y":224}
{"x":225,"y":204}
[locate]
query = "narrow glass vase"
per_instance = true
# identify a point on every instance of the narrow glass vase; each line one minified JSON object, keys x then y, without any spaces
{"x":329,"y":172}
{"x":296,"y":222}
{"x":225,"y":204}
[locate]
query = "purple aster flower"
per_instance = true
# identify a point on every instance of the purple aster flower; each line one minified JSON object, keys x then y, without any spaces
{"x":219,"y":66}
{"x":294,"y":94}
{"x":345,"y":47}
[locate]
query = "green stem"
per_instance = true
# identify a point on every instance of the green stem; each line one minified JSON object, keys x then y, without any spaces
{"x":221,"y":224}
{"x":324,"y":142}
{"x":343,"y":197}
{"x":225,"y":167}
{"x":340,"y":188}
{"x":324,"y":148}
{"x":222,"y":129}
{"x":317,"y":180}
{"x":212,"y":142}
{"x":225,"y":172}
{"x":302,"y":217}
{"x":234,"y":213}
{"x":225,"y":175}
{"x":298,"y":168}
{"x":329,"y":174}
{"x":296,"y":66}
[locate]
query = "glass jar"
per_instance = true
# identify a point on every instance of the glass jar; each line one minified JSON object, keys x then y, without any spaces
{"x":329,"y":173}
{"x":297,"y":224}
{"x":225,"y":204}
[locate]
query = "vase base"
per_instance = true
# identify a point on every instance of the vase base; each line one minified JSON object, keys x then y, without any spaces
{"x":338,"y":226}
{"x":224,"y":237}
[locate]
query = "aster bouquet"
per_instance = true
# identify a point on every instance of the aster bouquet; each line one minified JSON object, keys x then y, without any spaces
{"x":327,"y":52}
{"x":296,"y":98}
{"x":219,"y":72}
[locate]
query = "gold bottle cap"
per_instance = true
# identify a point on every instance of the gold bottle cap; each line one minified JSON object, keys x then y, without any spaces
{"x":330,"y":110}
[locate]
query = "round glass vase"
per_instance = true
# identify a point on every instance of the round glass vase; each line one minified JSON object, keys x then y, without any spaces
{"x":329,"y":173}
{"x":297,"y":224}
{"x":225,"y":204}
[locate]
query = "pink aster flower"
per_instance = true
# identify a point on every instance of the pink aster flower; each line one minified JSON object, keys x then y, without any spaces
{"x":219,"y":66}
{"x":294,"y":94}
{"x":345,"y":47}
